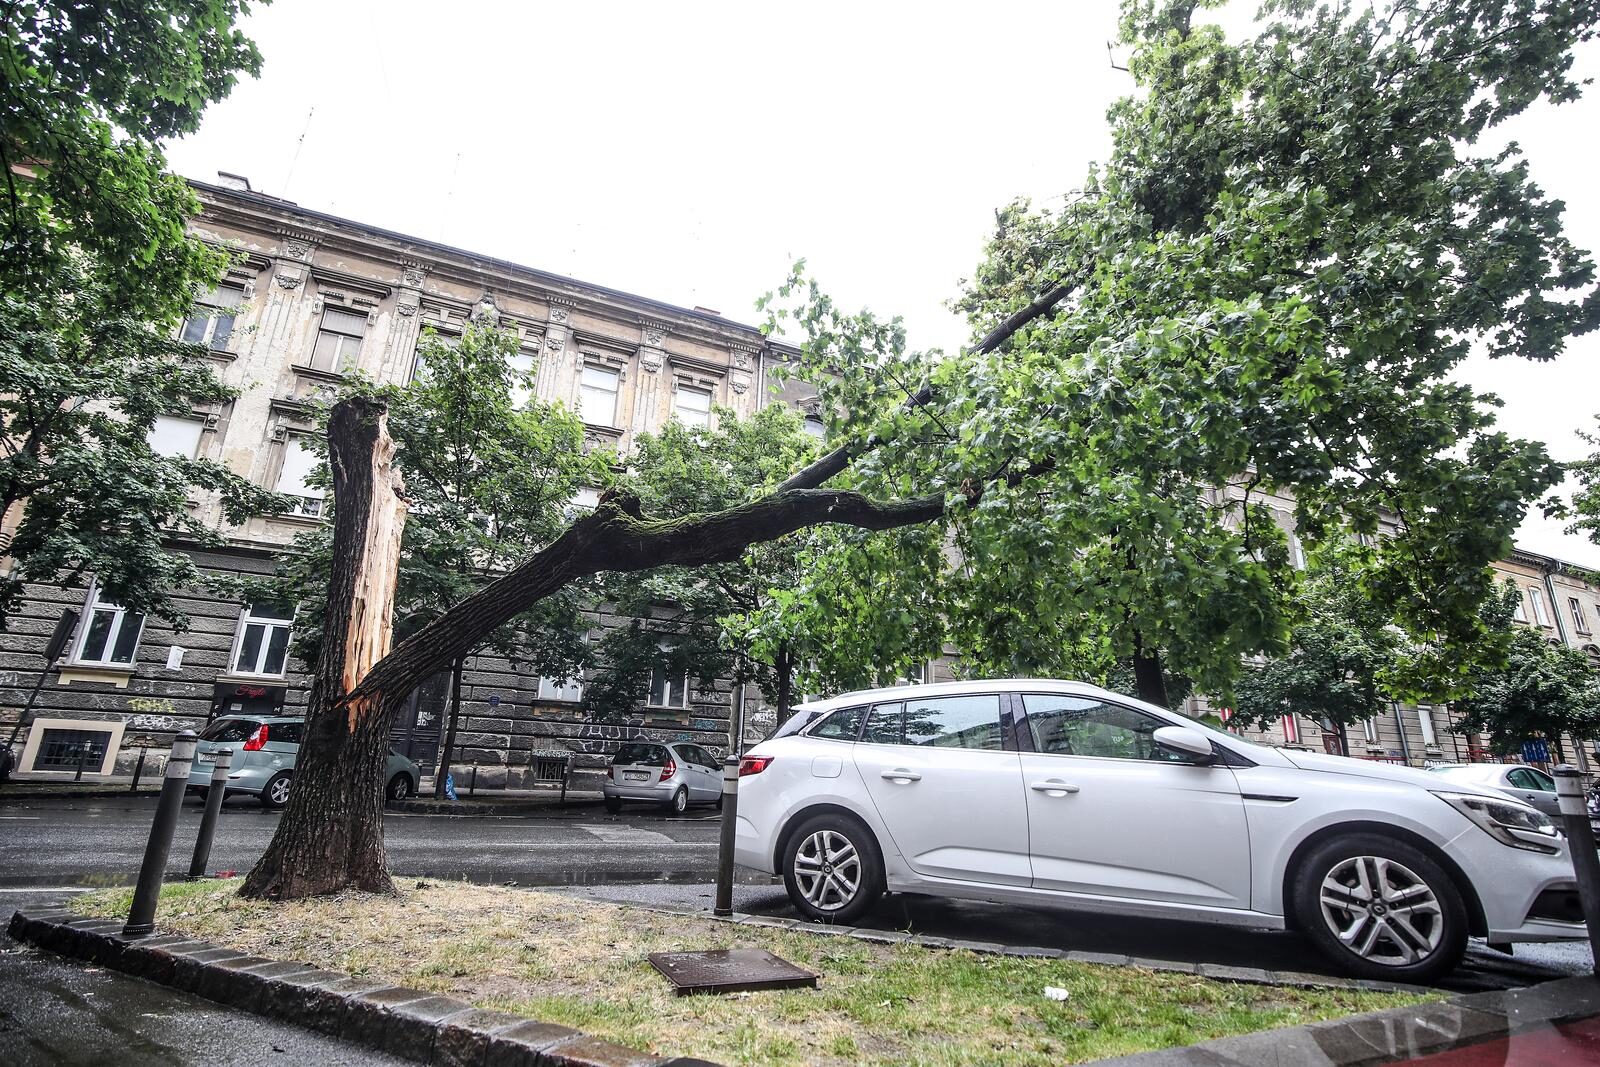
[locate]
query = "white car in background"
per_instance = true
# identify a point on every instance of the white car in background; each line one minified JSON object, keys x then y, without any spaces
{"x":1046,"y":792}
{"x":1528,"y":784}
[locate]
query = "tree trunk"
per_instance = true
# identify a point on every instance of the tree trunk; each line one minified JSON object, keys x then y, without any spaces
{"x":442,"y":771}
{"x":1344,"y":740}
{"x":1148,"y":681}
{"x":331,"y":833}
{"x":783,"y":672}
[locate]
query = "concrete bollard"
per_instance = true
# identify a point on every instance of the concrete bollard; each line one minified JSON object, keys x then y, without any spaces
{"x":142,"y":915}
{"x":208,"y":821}
{"x":1580,"y":842}
{"x":730,"y":820}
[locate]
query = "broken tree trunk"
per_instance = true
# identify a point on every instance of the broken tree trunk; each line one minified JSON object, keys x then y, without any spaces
{"x":331,"y":835}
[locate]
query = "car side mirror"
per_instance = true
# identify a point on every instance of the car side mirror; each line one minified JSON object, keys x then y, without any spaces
{"x":1192,"y":745}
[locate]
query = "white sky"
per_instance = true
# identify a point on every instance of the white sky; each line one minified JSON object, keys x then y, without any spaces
{"x":689,"y":152}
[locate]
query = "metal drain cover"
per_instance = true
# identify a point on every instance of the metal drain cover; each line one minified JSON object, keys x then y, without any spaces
{"x":730,"y":970}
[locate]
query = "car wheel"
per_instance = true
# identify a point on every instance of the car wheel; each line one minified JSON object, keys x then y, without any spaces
{"x":275,"y":794}
{"x":399,"y":787}
{"x":679,"y":802}
{"x":832,"y":869}
{"x":613,"y":805}
{"x":1380,"y":909}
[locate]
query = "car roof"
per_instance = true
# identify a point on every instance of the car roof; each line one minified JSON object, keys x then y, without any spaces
{"x":989,"y":685}
{"x":1475,"y":771}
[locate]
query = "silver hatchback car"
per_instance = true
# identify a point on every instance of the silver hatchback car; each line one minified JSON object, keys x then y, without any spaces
{"x":264,"y":751}
{"x":672,"y":774}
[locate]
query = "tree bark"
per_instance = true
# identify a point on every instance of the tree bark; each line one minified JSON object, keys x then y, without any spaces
{"x":1344,"y":740}
{"x":783,"y":672}
{"x":1148,"y":680}
{"x":442,"y":770}
{"x":331,"y":833}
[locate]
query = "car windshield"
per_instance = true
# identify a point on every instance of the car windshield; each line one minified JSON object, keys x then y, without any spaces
{"x":797,"y":722}
{"x":229,"y":730}
{"x":641,"y":755}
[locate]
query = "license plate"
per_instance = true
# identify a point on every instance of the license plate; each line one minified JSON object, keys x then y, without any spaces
{"x":635,"y":776}
{"x":203,"y":758}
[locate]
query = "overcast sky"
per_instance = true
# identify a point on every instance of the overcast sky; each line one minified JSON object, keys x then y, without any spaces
{"x":690,"y":151}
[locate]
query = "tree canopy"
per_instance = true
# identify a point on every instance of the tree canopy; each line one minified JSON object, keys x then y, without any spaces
{"x":98,"y":268}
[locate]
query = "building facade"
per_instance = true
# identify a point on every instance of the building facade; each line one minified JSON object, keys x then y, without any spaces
{"x":312,"y":300}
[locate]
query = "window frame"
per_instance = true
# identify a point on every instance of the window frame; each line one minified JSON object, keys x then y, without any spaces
{"x":667,"y":690}
{"x":1580,"y":624}
{"x":344,"y":359}
{"x":93,"y":603}
{"x":198,"y":421}
{"x":678,"y":390}
{"x":217,"y":313}
{"x":585,"y":390}
{"x":303,"y":508}
{"x":248,"y":618}
{"x":547,"y":682}
{"x":1008,"y":740}
{"x":1024,"y":734}
{"x":1536,"y":599}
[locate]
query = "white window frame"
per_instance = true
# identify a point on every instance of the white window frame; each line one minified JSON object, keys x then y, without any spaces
{"x":1520,"y":612}
{"x":1369,"y":730}
{"x":590,"y":392}
{"x":522,"y":365}
{"x":1425,"y":720}
{"x":667,"y":689}
{"x":307,"y":505}
{"x":813,"y":426}
{"x":555,"y":690}
{"x":347,"y":350}
{"x":692,"y":416}
{"x":1579,"y":623}
{"x":248,"y":618}
{"x":168,"y":422}
{"x":1536,"y":598}
{"x":93,"y":604}
{"x":210,"y":311}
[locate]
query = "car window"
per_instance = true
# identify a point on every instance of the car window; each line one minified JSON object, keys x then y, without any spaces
{"x":937,"y":722}
{"x":1528,"y":778}
{"x":286,"y":733}
{"x":1084,"y":726}
{"x":842,"y":725}
{"x":229,"y":730}
{"x":1542,"y":781}
{"x":702,"y":757}
{"x":643,"y":755}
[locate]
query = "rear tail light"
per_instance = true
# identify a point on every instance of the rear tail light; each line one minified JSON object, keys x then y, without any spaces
{"x":754,"y":765}
{"x":613,"y":772}
{"x":256,"y":740}
{"x":668,"y":769}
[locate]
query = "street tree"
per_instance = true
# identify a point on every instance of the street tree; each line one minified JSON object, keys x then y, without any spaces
{"x":1291,"y":248}
{"x":97,"y":269}
{"x":490,"y":475}
{"x":1586,"y":498}
{"x":1536,"y":689}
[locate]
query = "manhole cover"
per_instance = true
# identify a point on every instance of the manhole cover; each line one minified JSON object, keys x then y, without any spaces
{"x":730,"y":970}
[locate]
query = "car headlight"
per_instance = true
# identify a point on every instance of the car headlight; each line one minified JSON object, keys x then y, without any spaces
{"x":1507,"y":821}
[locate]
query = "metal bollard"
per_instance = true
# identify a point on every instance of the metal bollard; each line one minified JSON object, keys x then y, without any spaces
{"x":730,"y":819}
{"x":1580,"y":842}
{"x":208,"y":821}
{"x":142,"y":916}
{"x":472,"y":786}
{"x":138,"y":769}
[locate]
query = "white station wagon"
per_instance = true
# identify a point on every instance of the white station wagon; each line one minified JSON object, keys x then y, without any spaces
{"x":1057,"y":792}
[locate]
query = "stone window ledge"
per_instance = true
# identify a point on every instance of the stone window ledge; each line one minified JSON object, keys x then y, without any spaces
{"x":278,"y":680}
{"x":87,"y":672}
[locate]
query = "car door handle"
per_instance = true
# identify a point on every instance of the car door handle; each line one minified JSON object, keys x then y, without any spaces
{"x":900,"y":774}
{"x":1053,"y":786}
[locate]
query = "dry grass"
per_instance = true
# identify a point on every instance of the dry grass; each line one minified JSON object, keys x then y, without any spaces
{"x":583,"y":964}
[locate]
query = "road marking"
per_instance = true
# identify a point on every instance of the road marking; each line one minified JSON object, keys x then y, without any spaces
{"x":22,"y":818}
{"x":661,"y":846}
{"x":624,"y":835}
{"x":50,"y":889}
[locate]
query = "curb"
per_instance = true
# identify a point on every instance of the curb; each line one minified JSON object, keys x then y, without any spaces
{"x":427,"y":806}
{"x":23,"y":792}
{"x":1215,"y":971}
{"x":1393,"y":1035}
{"x":409,"y":1023}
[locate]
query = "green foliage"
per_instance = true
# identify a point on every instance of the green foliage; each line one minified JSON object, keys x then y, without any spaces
{"x":488,"y":483}
{"x":697,"y":621}
{"x":1538,"y":688}
{"x":1586,"y":500}
{"x":1274,"y":278}
{"x":97,"y":267}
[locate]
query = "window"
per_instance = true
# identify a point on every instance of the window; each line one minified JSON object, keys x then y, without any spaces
{"x":942,"y":722}
{"x":262,"y":644}
{"x":1425,"y":720}
{"x":67,"y":750}
{"x":176,"y":437}
{"x":1528,"y":778}
{"x":1579,"y":623}
{"x":109,"y":636}
{"x":338,"y":339}
{"x":211,"y":323}
{"x":597,"y":396}
{"x":1369,"y":730}
{"x":814,"y":427}
{"x":1291,"y":730}
{"x":842,"y":725}
{"x":1537,"y":600}
{"x":692,"y":406}
{"x":229,"y":731}
{"x":585,"y":499}
{"x":569,"y":689}
{"x":1519,"y":613}
{"x":1083,"y":726}
{"x":669,"y":690}
{"x":298,"y":463}
{"x":521,"y":379}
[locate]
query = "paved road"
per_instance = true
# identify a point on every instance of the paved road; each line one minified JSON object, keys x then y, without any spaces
{"x":101,"y":841}
{"x":54,"y":1013}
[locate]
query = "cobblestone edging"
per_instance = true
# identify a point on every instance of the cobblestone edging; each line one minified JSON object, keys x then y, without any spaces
{"x":409,"y":1023}
{"x":1217,"y":971}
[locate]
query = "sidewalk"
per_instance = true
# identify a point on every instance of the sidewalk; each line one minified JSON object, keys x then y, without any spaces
{"x":497,"y":802}
{"x":112,"y":785}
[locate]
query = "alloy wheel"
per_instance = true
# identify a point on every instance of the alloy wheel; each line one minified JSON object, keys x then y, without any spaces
{"x":1382,"y":911}
{"x":279,"y":793}
{"x":828,"y":870}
